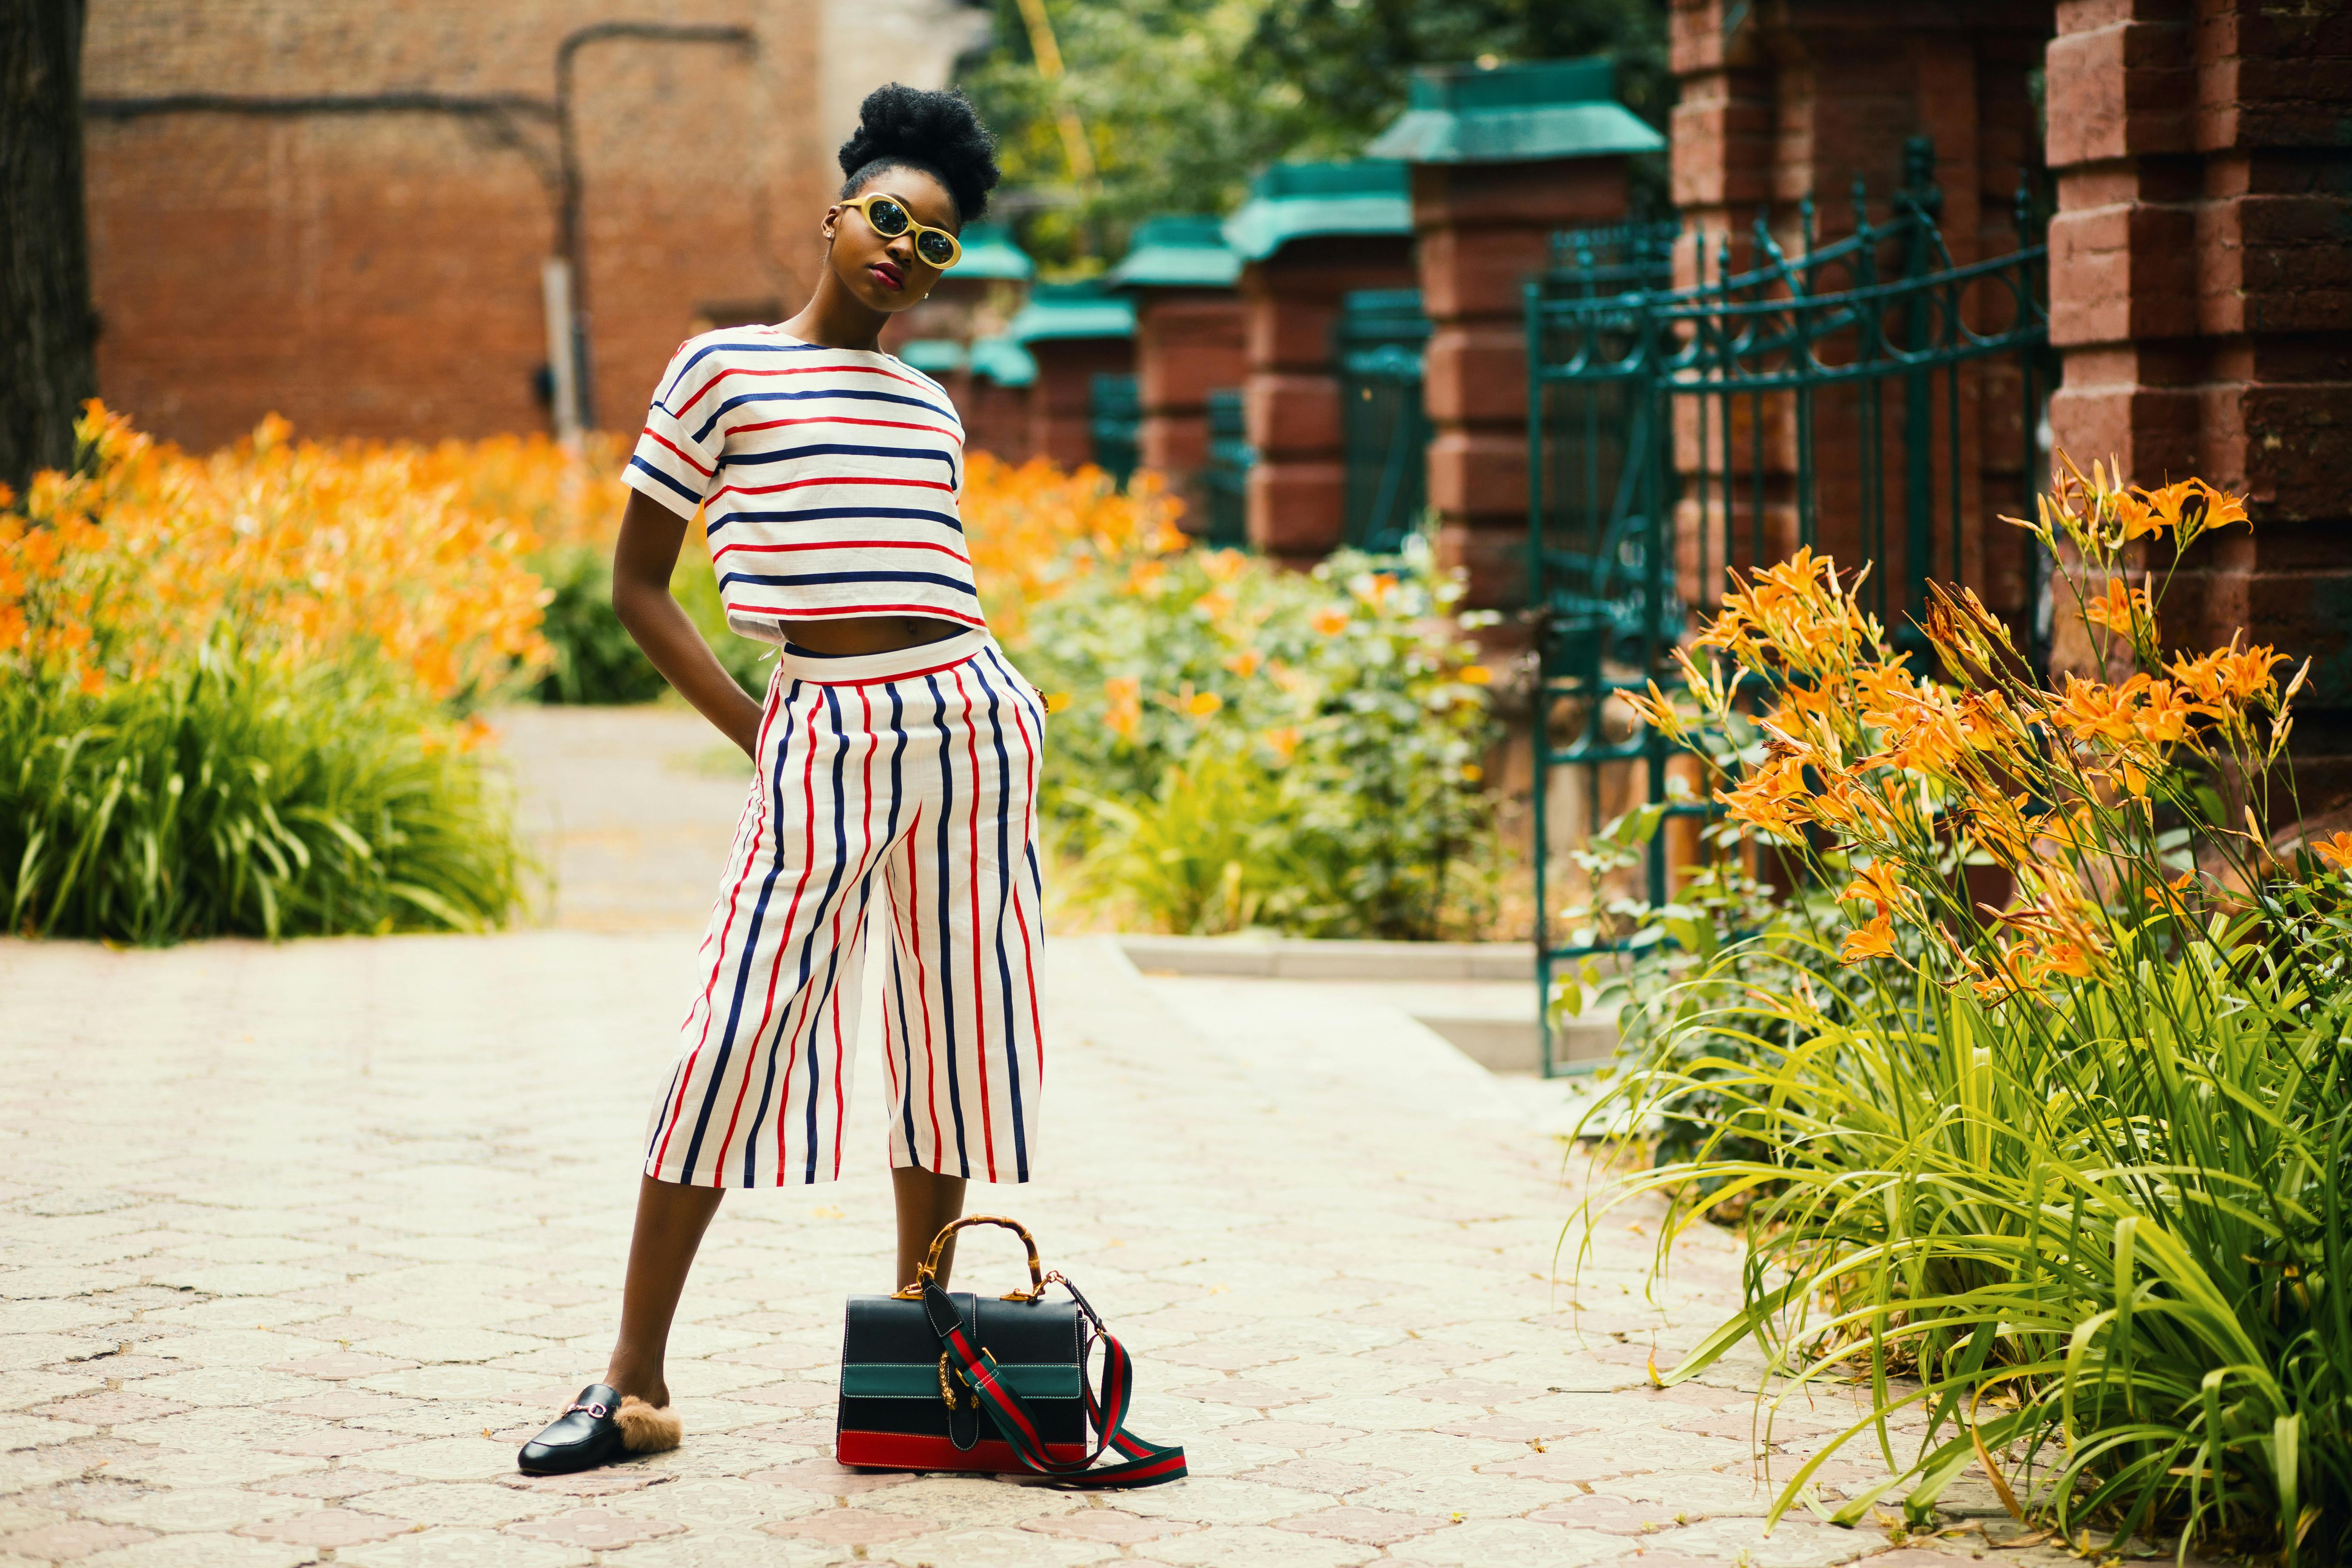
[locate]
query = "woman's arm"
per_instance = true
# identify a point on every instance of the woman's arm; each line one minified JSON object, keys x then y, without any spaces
{"x":642,"y":563}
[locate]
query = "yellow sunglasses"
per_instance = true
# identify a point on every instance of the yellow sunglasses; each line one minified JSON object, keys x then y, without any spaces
{"x":889,"y":217}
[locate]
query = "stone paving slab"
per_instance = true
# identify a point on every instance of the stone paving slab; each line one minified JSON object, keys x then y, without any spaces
{"x":296,"y":1243}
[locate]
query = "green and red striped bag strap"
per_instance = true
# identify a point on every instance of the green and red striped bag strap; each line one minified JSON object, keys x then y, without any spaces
{"x":1146,"y":1464}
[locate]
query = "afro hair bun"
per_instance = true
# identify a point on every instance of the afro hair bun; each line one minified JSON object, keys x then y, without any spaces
{"x":937,"y":133}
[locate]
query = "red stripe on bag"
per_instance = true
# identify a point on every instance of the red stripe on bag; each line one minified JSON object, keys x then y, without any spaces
{"x":913,"y":1451}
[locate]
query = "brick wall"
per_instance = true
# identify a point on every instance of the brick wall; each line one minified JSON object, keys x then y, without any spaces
{"x":1061,"y":400}
{"x":1483,"y":229}
{"x":1801,"y":98}
{"x":1187,"y":342}
{"x":1297,"y":487}
{"x":2201,"y":296}
{"x":378,"y":273}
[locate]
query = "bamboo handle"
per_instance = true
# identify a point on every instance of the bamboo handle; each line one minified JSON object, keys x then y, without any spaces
{"x":1036,"y":1270}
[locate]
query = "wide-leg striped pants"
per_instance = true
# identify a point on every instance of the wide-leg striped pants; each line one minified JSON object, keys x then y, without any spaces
{"x":918,"y":770}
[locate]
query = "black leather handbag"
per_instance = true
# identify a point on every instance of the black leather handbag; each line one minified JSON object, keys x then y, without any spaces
{"x":932,"y":1380}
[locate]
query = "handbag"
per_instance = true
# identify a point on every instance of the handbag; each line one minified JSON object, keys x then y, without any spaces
{"x":934,"y":1380}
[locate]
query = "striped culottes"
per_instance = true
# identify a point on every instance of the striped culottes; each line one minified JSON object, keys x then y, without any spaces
{"x":915,"y":771}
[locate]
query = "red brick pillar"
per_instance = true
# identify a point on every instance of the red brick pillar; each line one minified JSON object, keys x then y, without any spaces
{"x":1074,"y":331}
{"x":1061,"y":399}
{"x":1502,"y":160}
{"x":996,"y":419}
{"x":1485,"y":229}
{"x":2201,"y":298}
{"x":1297,"y":487}
{"x":1791,"y":100}
{"x":1188,"y":341}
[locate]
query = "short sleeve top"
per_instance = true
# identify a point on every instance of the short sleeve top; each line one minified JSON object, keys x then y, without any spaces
{"x":828,"y":479}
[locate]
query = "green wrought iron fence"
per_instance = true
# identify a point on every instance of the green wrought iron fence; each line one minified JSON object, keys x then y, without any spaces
{"x":1870,"y":397}
{"x":1378,"y":343}
{"x":1114,"y":412}
{"x":1225,"y":483}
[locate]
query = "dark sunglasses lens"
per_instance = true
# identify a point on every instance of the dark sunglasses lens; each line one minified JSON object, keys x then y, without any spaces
{"x":888,"y":218}
{"x":935,"y":247}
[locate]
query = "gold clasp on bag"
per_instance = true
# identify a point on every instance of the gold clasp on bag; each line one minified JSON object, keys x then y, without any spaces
{"x":947,"y":1389}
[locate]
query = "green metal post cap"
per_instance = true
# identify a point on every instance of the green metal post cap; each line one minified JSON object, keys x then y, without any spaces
{"x":989,"y":254}
{"x":1003,"y":362}
{"x":1297,"y":201}
{"x":1177,"y":251}
{"x":1065,"y":311}
{"x":1514,"y":114}
{"x":932,"y":356}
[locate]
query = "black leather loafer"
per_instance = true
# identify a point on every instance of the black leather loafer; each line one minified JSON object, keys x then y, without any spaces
{"x":583,"y":1437}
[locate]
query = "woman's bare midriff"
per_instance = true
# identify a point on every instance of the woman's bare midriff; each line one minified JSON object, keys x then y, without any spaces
{"x":868,"y":634}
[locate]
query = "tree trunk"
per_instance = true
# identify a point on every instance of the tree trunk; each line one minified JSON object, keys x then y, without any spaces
{"x":49,"y":333}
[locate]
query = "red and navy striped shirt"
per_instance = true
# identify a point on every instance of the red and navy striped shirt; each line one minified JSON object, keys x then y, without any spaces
{"x":828,"y":479}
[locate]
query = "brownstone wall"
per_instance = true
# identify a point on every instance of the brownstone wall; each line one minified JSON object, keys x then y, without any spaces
{"x":2201,"y":295}
{"x":377,"y":272}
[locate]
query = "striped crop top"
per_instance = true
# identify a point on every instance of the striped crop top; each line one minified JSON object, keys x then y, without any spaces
{"x":828,"y":479}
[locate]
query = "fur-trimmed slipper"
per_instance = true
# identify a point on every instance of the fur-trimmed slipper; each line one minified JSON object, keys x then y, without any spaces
{"x":645,"y":1430}
{"x":597,"y":1429}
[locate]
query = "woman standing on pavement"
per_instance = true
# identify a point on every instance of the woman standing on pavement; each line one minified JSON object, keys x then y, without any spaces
{"x":897,"y":751}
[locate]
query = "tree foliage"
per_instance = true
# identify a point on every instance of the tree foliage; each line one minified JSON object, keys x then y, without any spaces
{"x":1182,"y":100}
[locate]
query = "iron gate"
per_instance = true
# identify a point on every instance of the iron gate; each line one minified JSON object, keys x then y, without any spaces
{"x":1385,"y":432}
{"x":1115,"y":416}
{"x":1225,"y":483}
{"x":1869,"y":397}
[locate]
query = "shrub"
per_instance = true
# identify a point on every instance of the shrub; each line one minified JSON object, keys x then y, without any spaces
{"x":595,"y":658}
{"x":226,"y":690}
{"x":226,"y":795}
{"x":2076,"y":1164}
{"x":1334,"y":713}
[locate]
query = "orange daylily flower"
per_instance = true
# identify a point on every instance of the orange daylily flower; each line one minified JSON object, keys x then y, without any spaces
{"x":1876,"y":940}
{"x":1879,"y":883}
{"x":2336,"y":850}
{"x":1122,"y":705}
{"x":2120,"y":608}
{"x":2138,"y":520}
{"x":2192,"y":507}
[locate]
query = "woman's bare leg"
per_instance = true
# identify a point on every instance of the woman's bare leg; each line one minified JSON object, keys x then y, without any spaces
{"x":671,"y":1219}
{"x":926,"y":1202}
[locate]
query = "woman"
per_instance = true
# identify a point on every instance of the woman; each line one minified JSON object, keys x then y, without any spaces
{"x":896,"y":746}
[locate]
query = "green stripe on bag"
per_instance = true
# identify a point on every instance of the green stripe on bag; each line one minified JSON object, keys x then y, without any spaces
{"x":921,"y":1380}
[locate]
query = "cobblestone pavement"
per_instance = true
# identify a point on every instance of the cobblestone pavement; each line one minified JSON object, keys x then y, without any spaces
{"x":302,"y":1242}
{"x":297,"y":1243}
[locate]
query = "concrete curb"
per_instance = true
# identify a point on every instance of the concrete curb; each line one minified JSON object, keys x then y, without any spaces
{"x":1300,"y":958}
{"x":1501,"y":1041}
